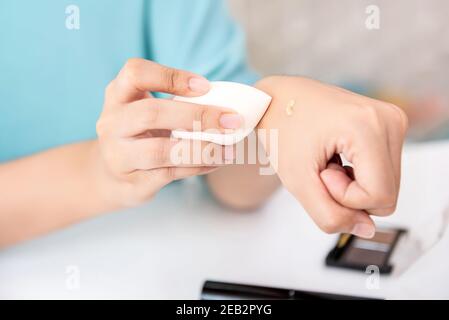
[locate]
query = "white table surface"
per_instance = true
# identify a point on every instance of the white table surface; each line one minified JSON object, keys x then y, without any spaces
{"x":167,"y":248}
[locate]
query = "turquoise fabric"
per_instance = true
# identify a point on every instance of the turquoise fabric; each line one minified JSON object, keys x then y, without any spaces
{"x":52,"y":78}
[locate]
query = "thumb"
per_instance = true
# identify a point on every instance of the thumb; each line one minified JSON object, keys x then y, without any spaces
{"x":336,"y":180}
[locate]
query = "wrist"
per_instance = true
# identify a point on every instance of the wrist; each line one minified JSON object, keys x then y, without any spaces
{"x":272,"y":118}
{"x":105,"y":185}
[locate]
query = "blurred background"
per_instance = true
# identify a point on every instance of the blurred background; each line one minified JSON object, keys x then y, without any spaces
{"x":405,"y":60}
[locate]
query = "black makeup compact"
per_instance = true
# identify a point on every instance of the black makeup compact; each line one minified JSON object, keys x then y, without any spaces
{"x":356,"y":253}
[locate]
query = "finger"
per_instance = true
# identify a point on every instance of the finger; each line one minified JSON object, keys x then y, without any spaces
{"x":329,"y":215}
{"x":147,"y":182}
{"x":139,"y":76}
{"x":149,"y":114}
{"x":147,"y":154}
{"x":178,"y":173}
{"x":157,"y":178}
{"x":337,"y":179}
{"x":374,"y":187}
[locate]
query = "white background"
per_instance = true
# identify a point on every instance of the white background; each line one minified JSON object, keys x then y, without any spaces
{"x":167,"y":248}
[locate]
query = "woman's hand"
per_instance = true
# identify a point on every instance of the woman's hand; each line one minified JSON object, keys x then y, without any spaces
{"x":126,"y":165}
{"x":317,"y":122}
{"x":134,"y":129}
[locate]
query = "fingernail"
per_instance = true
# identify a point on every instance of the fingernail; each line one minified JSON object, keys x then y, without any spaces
{"x":199,"y":85}
{"x":229,"y":153}
{"x":364,"y":230}
{"x":231,"y":121}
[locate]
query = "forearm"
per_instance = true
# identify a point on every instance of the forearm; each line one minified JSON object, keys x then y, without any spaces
{"x":242,"y":186}
{"x":49,"y":190}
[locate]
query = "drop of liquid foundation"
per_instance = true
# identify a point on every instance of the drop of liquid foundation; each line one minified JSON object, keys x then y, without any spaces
{"x":289,"y":110}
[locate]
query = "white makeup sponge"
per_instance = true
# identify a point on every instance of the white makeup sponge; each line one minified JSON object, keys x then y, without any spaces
{"x":248,"y":101}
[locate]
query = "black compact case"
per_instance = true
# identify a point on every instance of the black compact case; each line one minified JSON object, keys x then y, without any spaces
{"x":352,"y":252}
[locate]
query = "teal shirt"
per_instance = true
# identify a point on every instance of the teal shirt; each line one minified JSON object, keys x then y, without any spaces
{"x":52,"y":78}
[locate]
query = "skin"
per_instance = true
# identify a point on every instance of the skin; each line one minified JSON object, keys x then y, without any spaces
{"x":326,"y":121}
{"x":130,"y":160}
{"x":241,"y":187}
{"x":125,"y":166}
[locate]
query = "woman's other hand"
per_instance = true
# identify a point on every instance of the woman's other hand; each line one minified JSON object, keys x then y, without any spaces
{"x":318,"y":121}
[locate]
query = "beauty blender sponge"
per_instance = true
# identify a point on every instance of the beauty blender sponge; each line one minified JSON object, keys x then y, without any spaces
{"x":248,"y":101}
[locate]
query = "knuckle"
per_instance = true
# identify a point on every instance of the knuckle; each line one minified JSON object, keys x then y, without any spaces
{"x":388,"y":211}
{"x":101,"y":127}
{"x":133,"y":64}
{"x":132,"y":68}
{"x":370,"y":115}
{"x":384,"y":212}
{"x":401,"y":118}
{"x":331,"y":224}
{"x":171,"y":78}
{"x":404,"y":119}
{"x":385,"y":199}
{"x":109,"y":90}
{"x":159,"y":153}
{"x":202,"y":116}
